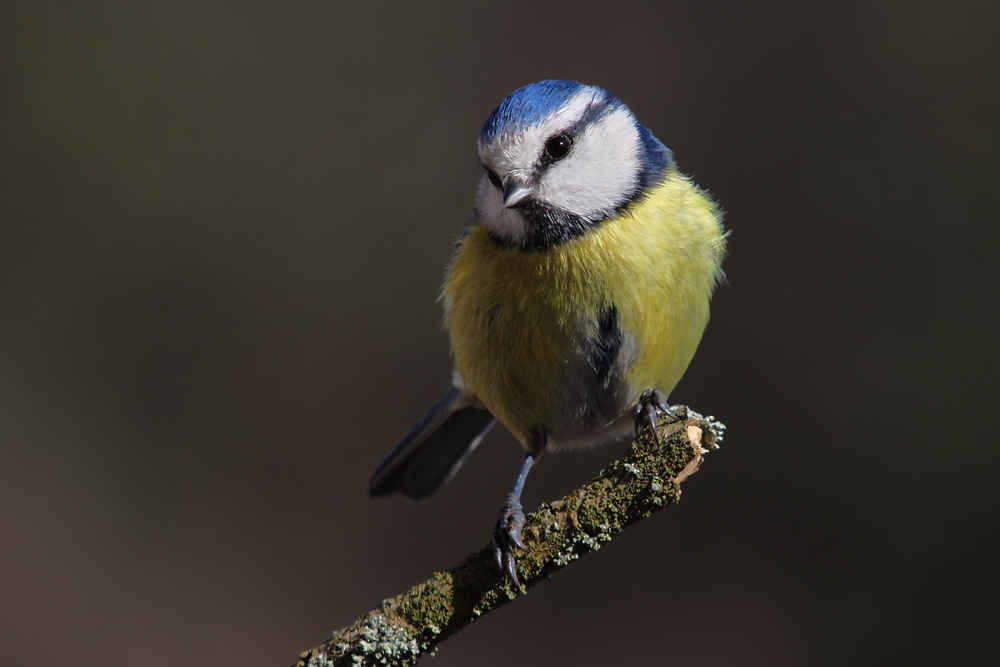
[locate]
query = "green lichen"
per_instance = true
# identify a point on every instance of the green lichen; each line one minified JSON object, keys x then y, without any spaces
{"x":646,"y":479}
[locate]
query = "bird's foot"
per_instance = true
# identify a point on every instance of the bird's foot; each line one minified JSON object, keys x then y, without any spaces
{"x":507,"y":536}
{"x":650,"y":401}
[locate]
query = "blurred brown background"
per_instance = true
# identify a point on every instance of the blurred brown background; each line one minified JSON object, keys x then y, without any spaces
{"x":222,"y":230}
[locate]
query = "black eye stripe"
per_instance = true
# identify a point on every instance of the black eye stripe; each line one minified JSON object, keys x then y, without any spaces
{"x":494,"y":179}
{"x":559,"y":145}
{"x":592,"y":114}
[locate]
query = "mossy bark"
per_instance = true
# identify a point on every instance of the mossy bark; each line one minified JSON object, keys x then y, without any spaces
{"x":645,"y":479}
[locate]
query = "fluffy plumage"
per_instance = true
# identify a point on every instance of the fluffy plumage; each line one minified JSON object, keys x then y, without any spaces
{"x":524,"y":325}
{"x":583,"y":280}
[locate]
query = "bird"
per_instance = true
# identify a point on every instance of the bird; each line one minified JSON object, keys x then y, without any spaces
{"x":575,"y":298}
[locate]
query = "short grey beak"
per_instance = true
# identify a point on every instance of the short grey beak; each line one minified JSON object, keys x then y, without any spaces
{"x":515,"y":193}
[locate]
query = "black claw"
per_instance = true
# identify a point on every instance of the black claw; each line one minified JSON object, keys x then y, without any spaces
{"x":510,"y":569}
{"x":651,"y":419}
{"x":515,"y":537}
{"x":507,"y":536}
{"x":650,"y":402}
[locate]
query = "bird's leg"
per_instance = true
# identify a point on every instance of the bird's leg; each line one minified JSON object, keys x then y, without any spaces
{"x":507,"y":533}
{"x":650,"y":401}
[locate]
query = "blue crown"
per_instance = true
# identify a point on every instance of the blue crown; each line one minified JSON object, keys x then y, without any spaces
{"x":527,"y":106}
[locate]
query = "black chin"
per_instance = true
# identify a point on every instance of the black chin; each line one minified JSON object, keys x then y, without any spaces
{"x":548,"y":226}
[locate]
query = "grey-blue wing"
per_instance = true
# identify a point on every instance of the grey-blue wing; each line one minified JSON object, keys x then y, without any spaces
{"x":433,"y":451}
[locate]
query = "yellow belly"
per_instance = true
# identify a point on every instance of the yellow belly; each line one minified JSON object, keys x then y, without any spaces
{"x":516,"y":319}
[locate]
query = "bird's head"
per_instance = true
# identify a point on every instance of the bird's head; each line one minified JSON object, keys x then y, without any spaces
{"x":560,"y":157}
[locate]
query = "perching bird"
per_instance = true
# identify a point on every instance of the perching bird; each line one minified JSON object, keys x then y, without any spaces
{"x":576,"y":297}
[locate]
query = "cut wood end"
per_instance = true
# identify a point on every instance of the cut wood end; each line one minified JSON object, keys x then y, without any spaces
{"x":694,"y":435}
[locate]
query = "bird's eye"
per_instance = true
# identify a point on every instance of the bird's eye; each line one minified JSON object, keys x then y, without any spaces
{"x":494,"y":179}
{"x":558,"y":146}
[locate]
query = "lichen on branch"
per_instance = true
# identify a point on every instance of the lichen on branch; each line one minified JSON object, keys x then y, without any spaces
{"x":645,"y":479}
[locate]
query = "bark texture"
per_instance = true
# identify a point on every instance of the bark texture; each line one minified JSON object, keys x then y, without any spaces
{"x":645,"y":479}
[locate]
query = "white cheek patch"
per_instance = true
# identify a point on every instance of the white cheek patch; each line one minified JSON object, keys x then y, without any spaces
{"x":506,"y":223}
{"x":601,"y":170}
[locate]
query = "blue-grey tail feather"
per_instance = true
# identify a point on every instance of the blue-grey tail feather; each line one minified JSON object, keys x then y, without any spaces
{"x":433,"y":451}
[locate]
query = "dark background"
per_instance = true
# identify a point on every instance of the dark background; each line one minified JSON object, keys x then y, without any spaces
{"x":222,"y":231}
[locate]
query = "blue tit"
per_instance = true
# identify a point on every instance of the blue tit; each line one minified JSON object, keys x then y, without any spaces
{"x":576,"y":296}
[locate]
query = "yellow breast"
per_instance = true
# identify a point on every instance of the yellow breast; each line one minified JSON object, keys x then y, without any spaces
{"x":516,"y":318}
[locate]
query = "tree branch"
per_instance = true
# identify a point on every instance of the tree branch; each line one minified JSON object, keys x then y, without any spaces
{"x":645,"y":479}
